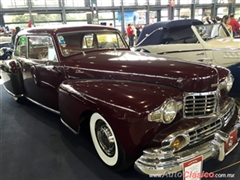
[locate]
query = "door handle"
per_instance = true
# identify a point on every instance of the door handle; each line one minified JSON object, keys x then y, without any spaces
{"x":200,"y":54}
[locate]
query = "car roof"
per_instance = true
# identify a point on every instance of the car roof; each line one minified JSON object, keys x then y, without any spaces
{"x":163,"y":25}
{"x":63,"y":28}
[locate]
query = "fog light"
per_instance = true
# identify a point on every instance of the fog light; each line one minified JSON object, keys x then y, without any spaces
{"x":179,"y":142}
{"x":176,"y":143}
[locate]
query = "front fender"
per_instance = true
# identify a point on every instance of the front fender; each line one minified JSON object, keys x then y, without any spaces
{"x":125,"y":105}
{"x":12,"y":77}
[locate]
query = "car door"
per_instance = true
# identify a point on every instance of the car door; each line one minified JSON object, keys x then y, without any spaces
{"x":42,"y":71}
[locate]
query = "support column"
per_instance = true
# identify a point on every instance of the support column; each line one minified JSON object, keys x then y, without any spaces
{"x":159,"y":15}
{"x":63,"y":14}
{"x":94,"y":12}
{"x":178,"y":13}
{"x":193,"y":11}
{"x":230,"y":8}
{"x":170,"y":12}
{"x":114,"y":22}
{"x":122,"y":20}
{"x":30,"y":11}
{"x":2,"y":22}
{"x":213,"y":10}
{"x":171,"y":9}
{"x":147,"y":13}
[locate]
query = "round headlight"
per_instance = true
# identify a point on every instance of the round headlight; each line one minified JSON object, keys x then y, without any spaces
{"x":1,"y":52}
{"x":165,"y":113}
{"x":169,"y":111}
{"x":229,"y":82}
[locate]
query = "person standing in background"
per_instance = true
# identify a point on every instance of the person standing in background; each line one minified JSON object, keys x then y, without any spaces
{"x":130,"y":35}
{"x":17,"y":29}
{"x":226,"y":23}
{"x":29,"y":24}
{"x":235,"y":25}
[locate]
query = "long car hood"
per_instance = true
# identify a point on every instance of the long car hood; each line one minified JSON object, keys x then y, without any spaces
{"x":135,"y":66}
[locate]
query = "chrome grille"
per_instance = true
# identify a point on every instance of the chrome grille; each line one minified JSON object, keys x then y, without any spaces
{"x":207,"y":130}
{"x":200,"y":104}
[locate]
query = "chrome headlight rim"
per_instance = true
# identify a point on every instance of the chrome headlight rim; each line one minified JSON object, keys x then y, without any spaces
{"x":166,"y":105}
{"x":159,"y":115}
{"x":229,"y":82}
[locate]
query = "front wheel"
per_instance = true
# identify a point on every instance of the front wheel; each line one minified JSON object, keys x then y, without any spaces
{"x":106,"y":144}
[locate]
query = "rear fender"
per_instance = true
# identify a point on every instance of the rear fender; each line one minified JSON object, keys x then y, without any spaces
{"x":125,"y":105}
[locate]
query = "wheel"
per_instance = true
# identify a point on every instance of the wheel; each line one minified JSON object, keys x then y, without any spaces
{"x":20,"y":100}
{"x":106,"y":144}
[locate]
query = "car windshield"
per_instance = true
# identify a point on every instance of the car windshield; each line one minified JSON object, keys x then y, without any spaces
{"x":212,"y":31}
{"x":72,"y":43}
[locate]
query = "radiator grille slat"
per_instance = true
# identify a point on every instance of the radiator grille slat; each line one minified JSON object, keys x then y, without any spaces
{"x":207,"y":130}
{"x":202,"y":104}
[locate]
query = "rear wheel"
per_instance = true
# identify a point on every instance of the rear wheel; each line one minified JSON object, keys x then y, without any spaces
{"x":106,"y":144}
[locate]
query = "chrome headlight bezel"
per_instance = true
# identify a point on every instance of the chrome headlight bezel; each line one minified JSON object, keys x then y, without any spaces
{"x":165,"y":113}
{"x":227,"y":83}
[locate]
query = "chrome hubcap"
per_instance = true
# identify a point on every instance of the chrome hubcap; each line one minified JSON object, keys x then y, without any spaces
{"x":105,"y":138}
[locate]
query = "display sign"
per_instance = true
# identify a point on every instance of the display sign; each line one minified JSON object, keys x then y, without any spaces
{"x":231,"y":142}
{"x":192,"y":169}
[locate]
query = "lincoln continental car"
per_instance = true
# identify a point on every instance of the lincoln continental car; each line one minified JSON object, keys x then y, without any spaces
{"x":192,"y":40}
{"x":152,"y":111}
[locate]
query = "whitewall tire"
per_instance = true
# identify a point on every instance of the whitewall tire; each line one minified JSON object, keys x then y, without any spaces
{"x":104,"y":140}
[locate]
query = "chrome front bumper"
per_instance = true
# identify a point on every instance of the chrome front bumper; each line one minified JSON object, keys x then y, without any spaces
{"x":154,"y":161}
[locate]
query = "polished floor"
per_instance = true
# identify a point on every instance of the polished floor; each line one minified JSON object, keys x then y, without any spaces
{"x":34,"y":145}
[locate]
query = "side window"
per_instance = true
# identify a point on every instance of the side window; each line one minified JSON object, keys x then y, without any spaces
{"x":176,"y":35}
{"x":41,"y":47}
{"x":21,"y":47}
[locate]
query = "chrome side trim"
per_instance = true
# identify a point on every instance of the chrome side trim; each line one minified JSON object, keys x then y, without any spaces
{"x":43,"y":106}
{"x":14,"y":95}
{"x":75,"y":132}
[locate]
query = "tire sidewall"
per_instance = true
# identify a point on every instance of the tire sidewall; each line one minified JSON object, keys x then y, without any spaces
{"x":110,"y":161}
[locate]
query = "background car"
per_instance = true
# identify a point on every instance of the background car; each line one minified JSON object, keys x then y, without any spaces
{"x":153,"y":110}
{"x":5,"y":53}
{"x":192,"y":40}
{"x":5,"y":40}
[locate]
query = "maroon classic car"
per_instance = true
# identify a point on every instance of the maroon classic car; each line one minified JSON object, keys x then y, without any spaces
{"x":156,"y":111}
